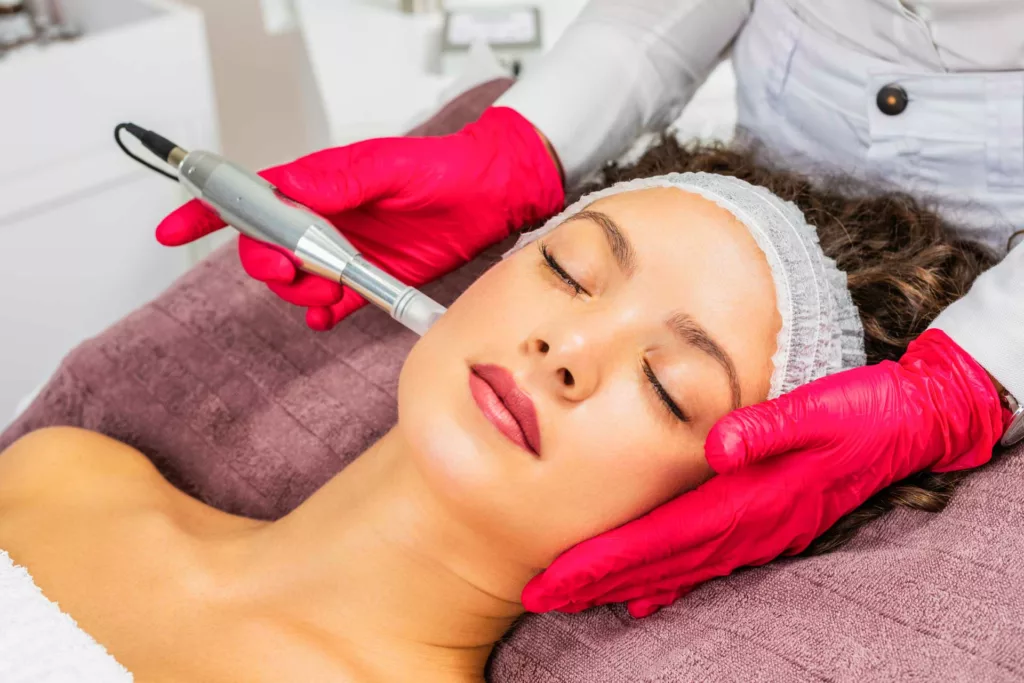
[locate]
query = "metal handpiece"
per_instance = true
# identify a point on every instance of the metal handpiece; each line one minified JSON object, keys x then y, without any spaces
{"x":253,"y":206}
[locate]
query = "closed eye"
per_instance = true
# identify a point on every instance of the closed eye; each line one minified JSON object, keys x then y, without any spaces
{"x":662,"y":394}
{"x":558,"y":270}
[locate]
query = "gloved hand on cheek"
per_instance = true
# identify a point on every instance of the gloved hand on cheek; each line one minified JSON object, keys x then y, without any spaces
{"x":788,"y":469}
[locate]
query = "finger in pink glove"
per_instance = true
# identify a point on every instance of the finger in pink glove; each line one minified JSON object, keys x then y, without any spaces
{"x":788,"y":470}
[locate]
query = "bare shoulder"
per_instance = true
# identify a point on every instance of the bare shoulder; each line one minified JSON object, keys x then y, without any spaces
{"x":66,"y":460}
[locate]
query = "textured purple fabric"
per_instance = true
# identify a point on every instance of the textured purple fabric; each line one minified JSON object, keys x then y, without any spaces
{"x":221,"y":384}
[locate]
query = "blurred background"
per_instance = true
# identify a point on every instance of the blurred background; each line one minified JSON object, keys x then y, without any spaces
{"x":261,"y":81}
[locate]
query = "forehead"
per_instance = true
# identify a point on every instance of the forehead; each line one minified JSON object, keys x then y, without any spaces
{"x":695,"y":257}
{"x":669,"y":226}
{"x":686,"y":215}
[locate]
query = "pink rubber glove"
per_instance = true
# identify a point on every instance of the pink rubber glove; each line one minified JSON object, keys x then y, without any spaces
{"x":418,"y":207}
{"x":787,"y":470}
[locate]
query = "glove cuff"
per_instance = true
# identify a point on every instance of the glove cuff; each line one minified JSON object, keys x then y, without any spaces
{"x":969,"y":416}
{"x":532,"y":182}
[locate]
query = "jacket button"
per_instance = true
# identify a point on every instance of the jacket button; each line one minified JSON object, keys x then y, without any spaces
{"x":892,"y":99}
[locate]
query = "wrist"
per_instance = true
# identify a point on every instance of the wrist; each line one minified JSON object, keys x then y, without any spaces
{"x":553,"y":154}
{"x":963,"y":399}
{"x":1012,"y":414}
{"x":533,"y":184}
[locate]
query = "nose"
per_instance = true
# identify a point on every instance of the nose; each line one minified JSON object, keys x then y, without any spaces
{"x":565,"y":364}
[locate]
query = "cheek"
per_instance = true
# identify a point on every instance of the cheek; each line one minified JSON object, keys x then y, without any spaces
{"x":449,"y":446}
{"x":612,"y":463}
{"x":496,"y":309}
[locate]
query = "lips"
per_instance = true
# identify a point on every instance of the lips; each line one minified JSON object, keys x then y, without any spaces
{"x":505,"y":405}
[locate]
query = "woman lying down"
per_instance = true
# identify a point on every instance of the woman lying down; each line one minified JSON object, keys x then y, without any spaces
{"x":566,"y":392}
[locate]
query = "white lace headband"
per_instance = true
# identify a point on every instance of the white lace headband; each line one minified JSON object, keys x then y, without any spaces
{"x":821,"y":329}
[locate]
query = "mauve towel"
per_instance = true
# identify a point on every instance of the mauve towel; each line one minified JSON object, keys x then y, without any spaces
{"x":221,"y":384}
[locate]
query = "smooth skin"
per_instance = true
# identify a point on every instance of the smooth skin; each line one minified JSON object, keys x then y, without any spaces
{"x":409,"y":564}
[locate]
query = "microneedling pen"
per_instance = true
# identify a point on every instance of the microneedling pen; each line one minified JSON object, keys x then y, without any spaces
{"x":255,"y":208}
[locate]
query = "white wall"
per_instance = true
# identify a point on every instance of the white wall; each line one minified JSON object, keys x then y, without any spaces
{"x":269,"y":109}
{"x":76,"y":216}
{"x":269,"y":112}
{"x":95,"y":204}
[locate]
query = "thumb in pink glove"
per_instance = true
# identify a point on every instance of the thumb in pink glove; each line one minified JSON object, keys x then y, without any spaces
{"x":788,"y":469}
{"x":417,"y":207}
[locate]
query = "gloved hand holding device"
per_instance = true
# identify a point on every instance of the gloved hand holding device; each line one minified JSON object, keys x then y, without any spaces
{"x":787,"y":470}
{"x":417,"y":207}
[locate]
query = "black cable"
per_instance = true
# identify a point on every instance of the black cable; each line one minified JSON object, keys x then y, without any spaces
{"x":141,"y":134}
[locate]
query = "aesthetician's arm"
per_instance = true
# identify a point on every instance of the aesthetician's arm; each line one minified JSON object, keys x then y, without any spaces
{"x":988,"y":323}
{"x":622,"y":68}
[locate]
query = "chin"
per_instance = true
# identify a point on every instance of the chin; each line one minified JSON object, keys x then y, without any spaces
{"x":433,"y":422}
{"x":468,"y":466}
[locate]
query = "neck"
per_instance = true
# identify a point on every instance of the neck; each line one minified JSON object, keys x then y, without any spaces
{"x":375,"y":561}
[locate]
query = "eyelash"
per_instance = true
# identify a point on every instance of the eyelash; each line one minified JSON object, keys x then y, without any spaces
{"x":555,"y":267}
{"x":659,"y":390}
{"x":558,"y":270}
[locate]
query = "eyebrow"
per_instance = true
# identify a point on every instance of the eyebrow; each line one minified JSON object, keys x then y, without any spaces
{"x":691,"y":332}
{"x":683,"y":326}
{"x":622,"y":248}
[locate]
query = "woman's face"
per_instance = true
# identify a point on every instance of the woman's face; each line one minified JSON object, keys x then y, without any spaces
{"x":627,"y":333}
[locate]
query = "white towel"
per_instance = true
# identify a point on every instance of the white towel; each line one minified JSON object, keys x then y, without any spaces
{"x":41,"y":644}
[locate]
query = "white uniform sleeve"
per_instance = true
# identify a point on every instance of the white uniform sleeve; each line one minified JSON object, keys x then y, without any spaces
{"x":622,"y":68}
{"x":989,"y":322}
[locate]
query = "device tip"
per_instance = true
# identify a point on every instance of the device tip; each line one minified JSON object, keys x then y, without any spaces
{"x":419,"y":313}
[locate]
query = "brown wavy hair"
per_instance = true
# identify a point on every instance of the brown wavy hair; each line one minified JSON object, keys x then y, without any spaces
{"x":903,"y":263}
